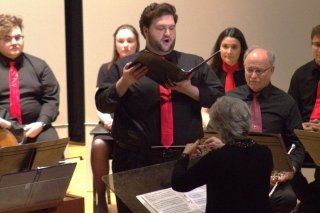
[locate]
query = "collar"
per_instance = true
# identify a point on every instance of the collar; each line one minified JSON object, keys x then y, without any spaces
{"x":227,"y":68}
{"x":265,"y":93}
{"x":5,"y":61}
{"x":172,"y":56}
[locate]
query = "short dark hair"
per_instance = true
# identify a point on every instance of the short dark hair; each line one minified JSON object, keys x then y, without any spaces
{"x":232,"y":32}
{"x":315,"y":31}
{"x":7,"y":22}
{"x":156,"y":10}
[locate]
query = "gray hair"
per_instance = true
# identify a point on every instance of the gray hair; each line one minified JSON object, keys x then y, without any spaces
{"x":231,"y":118}
{"x":271,"y":55}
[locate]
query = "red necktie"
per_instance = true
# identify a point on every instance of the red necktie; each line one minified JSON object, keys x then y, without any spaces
{"x":316,"y":109}
{"x":166,"y":116}
{"x":15,"y":110}
{"x":229,"y":83}
{"x":256,"y":121}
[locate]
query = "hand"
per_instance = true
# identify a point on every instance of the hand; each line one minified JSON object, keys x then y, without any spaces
{"x":312,"y":125}
{"x":184,"y":87}
{"x":282,"y":177}
{"x":181,"y":86}
{"x":192,"y":149}
{"x":5,"y":124}
{"x":132,"y":74}
{"x":32,"y":130}
{"x":107,"y":124}
{"x":213,"y":143}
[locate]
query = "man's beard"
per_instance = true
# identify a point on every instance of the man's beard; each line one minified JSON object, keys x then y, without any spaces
{"x":159,"y":48}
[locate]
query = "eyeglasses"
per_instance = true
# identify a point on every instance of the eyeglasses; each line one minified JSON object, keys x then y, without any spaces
{"x":258,"y":71}
{"x":315,"y":44}
{"x":17,"y":38}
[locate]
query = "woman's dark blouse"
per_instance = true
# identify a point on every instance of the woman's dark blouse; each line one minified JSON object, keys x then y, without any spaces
{"x":237,"y":178}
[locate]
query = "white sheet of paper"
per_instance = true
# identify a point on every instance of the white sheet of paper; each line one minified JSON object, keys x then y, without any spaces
{"x":170,"y":201}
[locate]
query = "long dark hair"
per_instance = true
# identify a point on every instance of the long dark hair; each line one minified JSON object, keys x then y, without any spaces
{"x":229,"y":32}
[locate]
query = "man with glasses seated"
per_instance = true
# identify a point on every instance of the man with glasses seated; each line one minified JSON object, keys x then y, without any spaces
{"x":28,"y":87}
{"x":273,"y":111}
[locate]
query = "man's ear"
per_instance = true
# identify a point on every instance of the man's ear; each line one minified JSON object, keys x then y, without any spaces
{"x":145,"y":31}
{"x":272,"y":69}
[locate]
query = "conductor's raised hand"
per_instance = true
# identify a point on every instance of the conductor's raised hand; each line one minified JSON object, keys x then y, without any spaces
{"x":192,"y":149}
{"x":213,"y":143}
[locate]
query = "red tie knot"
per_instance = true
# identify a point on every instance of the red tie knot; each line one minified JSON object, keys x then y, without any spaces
{"x":12,"y":63}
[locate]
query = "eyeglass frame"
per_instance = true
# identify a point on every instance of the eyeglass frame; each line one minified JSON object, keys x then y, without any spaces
{"x":17,"y":38}
{"x":258,"y":71}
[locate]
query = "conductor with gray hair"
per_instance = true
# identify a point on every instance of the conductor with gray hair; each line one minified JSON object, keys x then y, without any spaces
{"x":237,"y":172}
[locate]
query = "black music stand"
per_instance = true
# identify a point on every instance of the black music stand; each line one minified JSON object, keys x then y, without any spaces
{"x":30,"y":156}
{"x":19,"y":190}
{"x":310,"y":141}
{"x":281,"y":160}
{"x":142,"y":180}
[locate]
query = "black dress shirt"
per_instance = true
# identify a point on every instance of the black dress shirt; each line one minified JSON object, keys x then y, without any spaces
{"x":237,"y":178}
{"x":137,"y":113}
{"x":303,"y":88}
{"x":280,"y":114}
{"x":39,"y":89}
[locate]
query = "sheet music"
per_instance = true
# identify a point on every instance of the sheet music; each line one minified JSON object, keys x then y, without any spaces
{"x":170,"y":201}
{"x":199,"y":197}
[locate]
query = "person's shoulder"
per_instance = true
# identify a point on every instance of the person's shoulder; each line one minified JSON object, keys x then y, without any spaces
{"x":282,"y":95}
{"x":105,"y":66}
{"x":187,"y":55}
{"x":260,"y":146}
{"x":304,"y":68}
{"x":239,"y":91}
{"x":33,"y":58}
{"x":262,"y":150}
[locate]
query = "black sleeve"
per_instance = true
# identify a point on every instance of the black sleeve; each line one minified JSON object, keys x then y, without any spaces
{"x":184,"y":179}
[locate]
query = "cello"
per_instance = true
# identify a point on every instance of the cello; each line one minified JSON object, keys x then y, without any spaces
{"x":7,"y":138}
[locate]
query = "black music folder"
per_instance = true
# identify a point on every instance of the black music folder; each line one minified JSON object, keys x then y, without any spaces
{"x":161,"y":70}
{"x":281,"y":160}
{"x":311,"y":142}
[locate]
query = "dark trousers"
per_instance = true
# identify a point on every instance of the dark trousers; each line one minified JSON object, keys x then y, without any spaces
{"x":283,"y":200}
{"x":308,"y":193}
{"x":48,"y":133}
{"x":126,"y":158}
